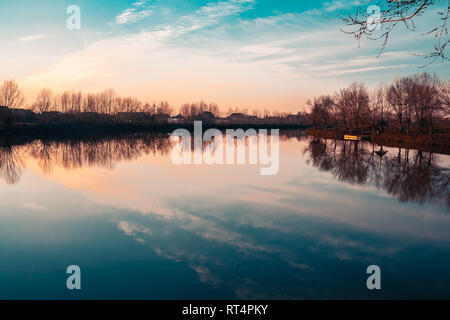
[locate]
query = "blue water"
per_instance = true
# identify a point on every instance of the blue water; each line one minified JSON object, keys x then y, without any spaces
{"x":141,"y":227}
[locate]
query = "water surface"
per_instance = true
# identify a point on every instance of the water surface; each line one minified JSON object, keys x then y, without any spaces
{"x":141,"y":227}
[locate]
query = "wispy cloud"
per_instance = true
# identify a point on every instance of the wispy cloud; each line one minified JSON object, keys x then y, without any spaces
{"x":340,"y":4}
{"x":33,"y":37}
{"x":358,"y":70}
{"x":219,"y":55}
{"x":138,"y":11}
{"x":34,"y":206}
{"x":206,"y":16}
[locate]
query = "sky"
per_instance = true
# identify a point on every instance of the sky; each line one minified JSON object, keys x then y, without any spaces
{"x":254,"y":54}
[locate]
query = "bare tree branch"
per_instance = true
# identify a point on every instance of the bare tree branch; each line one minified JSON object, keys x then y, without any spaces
{"x":379,"y":24}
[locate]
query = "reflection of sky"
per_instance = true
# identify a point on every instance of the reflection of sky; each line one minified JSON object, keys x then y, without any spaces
{"x":216,"y":231}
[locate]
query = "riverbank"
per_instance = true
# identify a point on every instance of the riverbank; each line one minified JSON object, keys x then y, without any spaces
{"x":436,"y":143}
{"x":25,"y":133}
{"x":82,"y":128}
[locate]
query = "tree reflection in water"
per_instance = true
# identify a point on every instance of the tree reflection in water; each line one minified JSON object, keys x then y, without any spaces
{"x":80,"y":153}
{"x":11,"y":164}
{"x":74,"y":154}
{"x":407,"y":175}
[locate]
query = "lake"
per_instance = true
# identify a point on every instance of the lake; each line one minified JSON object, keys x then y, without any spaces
{"x":141,"y":227}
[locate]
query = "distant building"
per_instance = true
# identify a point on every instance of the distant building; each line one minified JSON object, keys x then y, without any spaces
{"x":237,"y":117}
{"x":206,"y":116}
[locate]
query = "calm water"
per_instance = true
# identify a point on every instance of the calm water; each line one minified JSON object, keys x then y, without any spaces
{"x":141,"y":227}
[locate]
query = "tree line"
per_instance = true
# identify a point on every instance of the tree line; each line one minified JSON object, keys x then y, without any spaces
{"x":409,"y":104}
{"x":412,"y":102}
{"x":109,"y":103}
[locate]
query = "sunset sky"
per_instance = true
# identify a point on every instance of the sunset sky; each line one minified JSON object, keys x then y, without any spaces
{"x":255,"y":54}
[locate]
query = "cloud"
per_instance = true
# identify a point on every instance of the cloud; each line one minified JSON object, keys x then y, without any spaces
{"x":358,"y":70}
{"x":103,"y":57}
{"x":337,"y":5}
{"x":139,"y":3}
{"x":137,"y":12}
{"x":33,"y":37}
{"x":34,"y":206}
{"x":132,"y":229}
{"x":206,"y":16}
{"x":205,"y":275}
{"x":215,"y":54}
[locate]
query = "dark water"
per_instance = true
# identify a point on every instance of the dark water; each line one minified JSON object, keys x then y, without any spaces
{"x":141,"y":227}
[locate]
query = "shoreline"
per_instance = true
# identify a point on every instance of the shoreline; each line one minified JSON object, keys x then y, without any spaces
{"x":22,"y":133}
{"x":86,"y":128}
{"x":436,"y":143}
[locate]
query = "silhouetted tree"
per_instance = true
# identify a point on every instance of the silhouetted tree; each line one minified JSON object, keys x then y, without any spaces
{"x":10,"y":95}
{"x":44,"y":101}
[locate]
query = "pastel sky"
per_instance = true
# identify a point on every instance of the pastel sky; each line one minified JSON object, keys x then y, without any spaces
{"x":255,"y":54}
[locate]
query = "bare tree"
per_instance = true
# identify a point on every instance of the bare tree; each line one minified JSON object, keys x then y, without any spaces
{"x":147,"y":108}
{"x":65,"y":101}
{"x":358,"y":101}
{"x":444,"y":96}
{"x":424,"y":99}
{"x":10,"y":95}
{"x":342,"y":103}
{"x":105,"y":101}
{"x":413,"y":101}
{"x":56,"y":103}
{"x":378,"y":21}
{"x":321,"y":111}
{"x":164,"y":107}
{"x":185,"y":110}
{"x":372,"y":110}
{"x":396,"y":97}
{"x":214,"y":109}
{"x":90,"y":103}
{"x":43,"y":101}
{"x":382,"y":106}
{"x":118,"y":104}
{"x":76,"y":102}
{"x":130,"y":105}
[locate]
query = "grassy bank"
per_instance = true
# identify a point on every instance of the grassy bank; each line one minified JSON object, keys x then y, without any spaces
{"x":436,"y":143}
